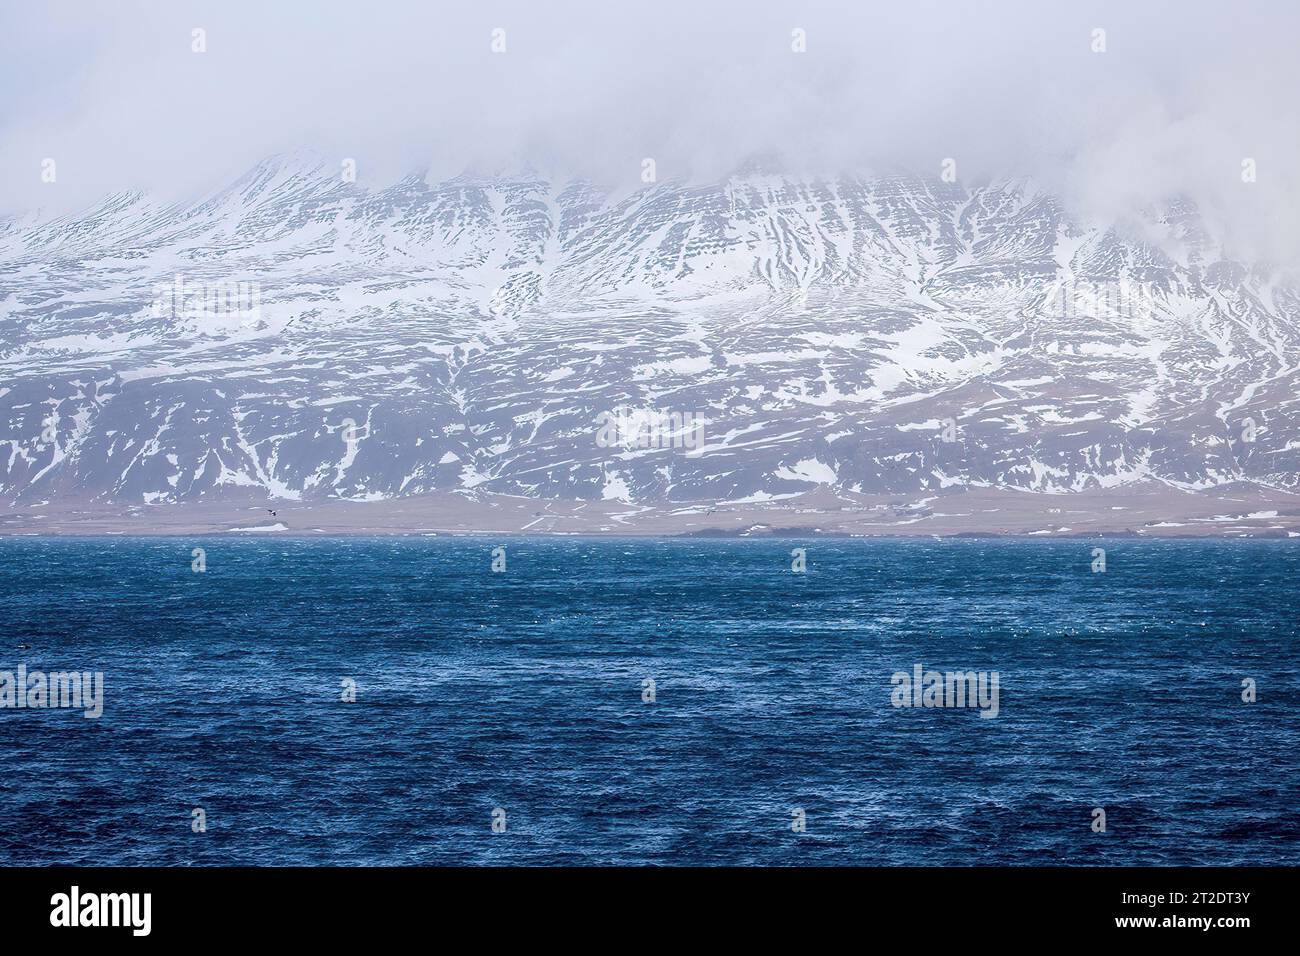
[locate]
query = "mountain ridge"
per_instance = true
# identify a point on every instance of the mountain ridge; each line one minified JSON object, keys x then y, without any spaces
{"x":886,"y":336}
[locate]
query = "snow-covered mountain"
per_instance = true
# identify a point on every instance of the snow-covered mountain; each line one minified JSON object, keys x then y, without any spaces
{"x":306,"y":337}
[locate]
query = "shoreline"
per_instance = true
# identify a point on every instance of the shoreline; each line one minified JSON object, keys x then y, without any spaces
{"x":783,"y":535}
{"x":1138,"y":511}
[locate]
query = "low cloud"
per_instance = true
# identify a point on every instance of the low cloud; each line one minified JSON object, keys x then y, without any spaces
{"x":1182,"y":95}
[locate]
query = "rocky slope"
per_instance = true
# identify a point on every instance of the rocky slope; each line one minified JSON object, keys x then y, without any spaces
{"x":894,"y":336}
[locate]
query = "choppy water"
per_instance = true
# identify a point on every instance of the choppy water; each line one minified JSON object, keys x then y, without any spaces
{"x":523,"y":691}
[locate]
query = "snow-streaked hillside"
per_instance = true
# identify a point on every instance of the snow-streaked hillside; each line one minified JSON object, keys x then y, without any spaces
{"x":470,"y":334}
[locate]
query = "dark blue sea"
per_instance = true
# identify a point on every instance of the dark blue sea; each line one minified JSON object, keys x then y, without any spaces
{"x":523,"y":691}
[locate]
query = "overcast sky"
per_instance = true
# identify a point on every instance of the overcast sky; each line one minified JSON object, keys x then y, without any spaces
{"x":1182,"y":94}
